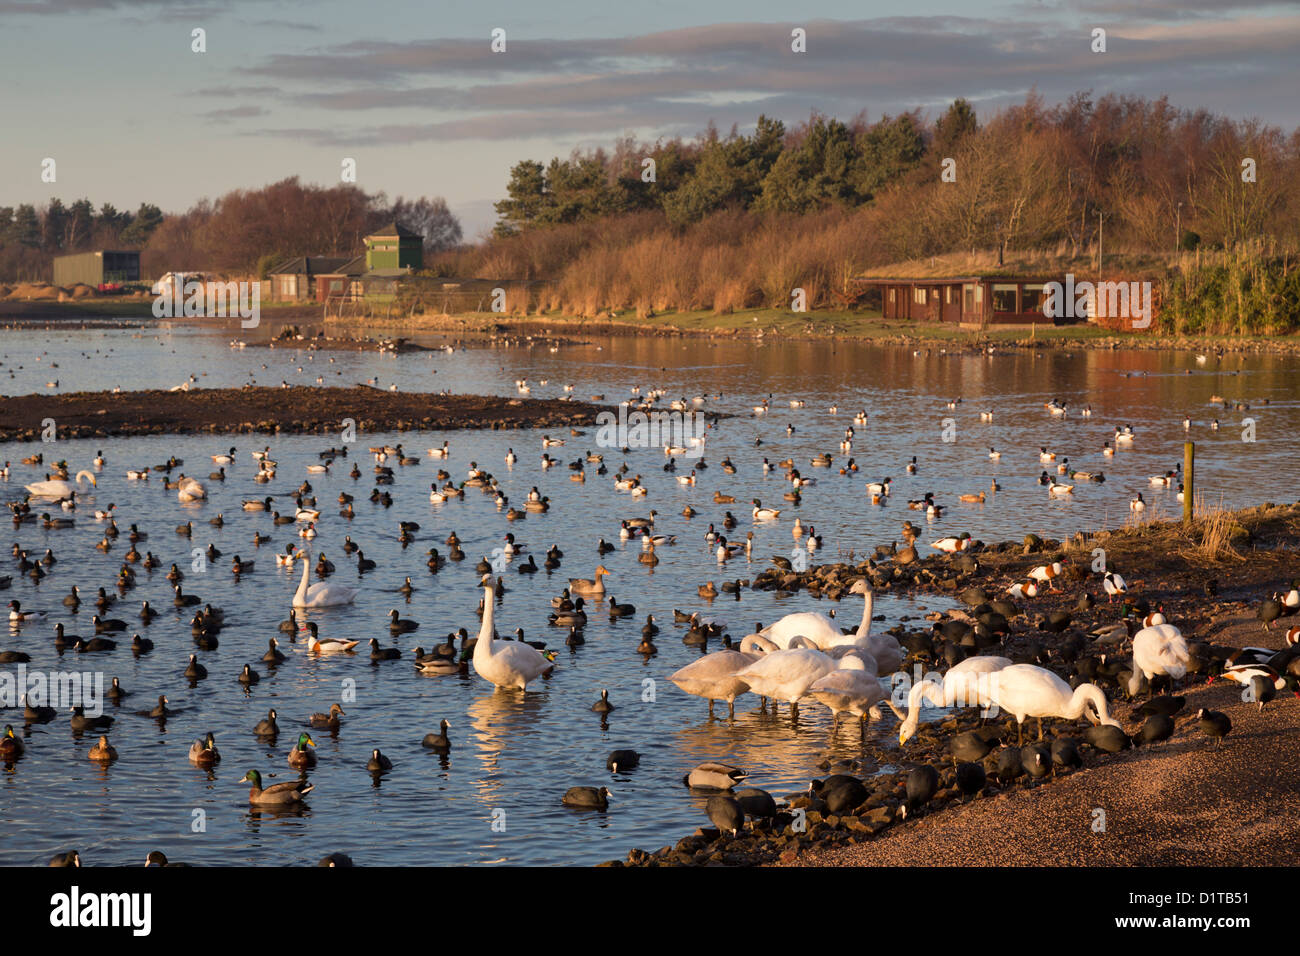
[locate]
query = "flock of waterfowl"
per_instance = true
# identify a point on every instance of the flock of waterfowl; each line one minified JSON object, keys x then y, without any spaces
{"x":799,"y":656}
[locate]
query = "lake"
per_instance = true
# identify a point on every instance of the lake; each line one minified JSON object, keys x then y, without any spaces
{"x":513,"y":756}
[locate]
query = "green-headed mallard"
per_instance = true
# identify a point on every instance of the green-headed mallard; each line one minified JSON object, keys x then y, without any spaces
{"x":289,"y":793}
{"x":300,"y":758}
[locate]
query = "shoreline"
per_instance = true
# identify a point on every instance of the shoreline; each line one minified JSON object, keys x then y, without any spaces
{"x":745,"y":325}
{"x":297,"y":410}
{"x":1182,"y":802}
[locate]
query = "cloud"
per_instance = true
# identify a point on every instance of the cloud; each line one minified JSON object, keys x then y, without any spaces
{"x":458,"y":89}
{"x":235,"y":112}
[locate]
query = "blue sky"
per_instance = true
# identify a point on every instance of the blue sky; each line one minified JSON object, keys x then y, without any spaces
{"x":111,"y":90}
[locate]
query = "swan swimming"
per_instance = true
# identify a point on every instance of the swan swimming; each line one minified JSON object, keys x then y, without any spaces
{"x":57,"y":488}
{"x":505,"y":663}
{"x":324,"y":594}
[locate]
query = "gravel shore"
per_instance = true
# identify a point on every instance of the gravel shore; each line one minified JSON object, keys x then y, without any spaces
{"x":275,"y":410}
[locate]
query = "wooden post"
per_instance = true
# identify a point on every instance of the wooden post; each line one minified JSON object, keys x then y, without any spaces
{"x":1189,"y":469}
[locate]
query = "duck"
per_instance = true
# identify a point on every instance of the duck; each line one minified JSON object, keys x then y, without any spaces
{"x":951,"y":545}
{"x":300,"y":758}
{"x":203,"y":752}
{"x":102,"y":751}
{"x":10,"y":746}
{"x":712,"y":775}
{"x":764,"y":514}
{"x":330,"y":720}
{"x":603,"y":706}
{"x":378,"y":653}
{"x":287,"y":794}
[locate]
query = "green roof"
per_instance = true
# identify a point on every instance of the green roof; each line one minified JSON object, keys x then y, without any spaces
{"x":394,"y":230}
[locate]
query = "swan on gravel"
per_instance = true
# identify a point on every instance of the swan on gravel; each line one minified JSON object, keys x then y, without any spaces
{"x":966,"y":683}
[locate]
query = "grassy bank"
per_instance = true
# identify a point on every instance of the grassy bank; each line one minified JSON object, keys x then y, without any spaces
{"x":843,"y":324}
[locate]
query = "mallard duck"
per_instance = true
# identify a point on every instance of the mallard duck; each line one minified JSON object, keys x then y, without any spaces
{"x":203,"y":752}
{"x":102,"y":751}
{"x":10,"y":746}
{"x":300,"y":758}
{"x":330,"y":720}
{"x":289,"y":793}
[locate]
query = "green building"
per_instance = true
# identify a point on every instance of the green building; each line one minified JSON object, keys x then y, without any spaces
{"x":105,"y":267}
{"x":394,"y":247}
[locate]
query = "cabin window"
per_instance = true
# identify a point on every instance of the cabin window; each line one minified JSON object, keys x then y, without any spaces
{"x":1034,"y":298}
{"x":968,"y":297}
{"x":892,"y":298}
{"x":1004,"y":298}
{"x":918,"y":296}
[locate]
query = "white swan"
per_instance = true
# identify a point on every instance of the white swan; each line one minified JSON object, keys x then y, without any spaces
{"x":504,"y":663}
{"x":713,"y":676}
{"x":965,"y":683}
{"x":188,"y":489}
{"x":1159,"y":649}
{"x":823,"y":632}
{"x":56,"y":488}
{"x":1024,"y":690}
{"x":786,"y":675}
{"x":852,"y":687}
{"x":323,"y":594}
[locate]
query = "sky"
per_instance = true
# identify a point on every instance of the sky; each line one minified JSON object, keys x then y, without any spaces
{"x":414,"y":93}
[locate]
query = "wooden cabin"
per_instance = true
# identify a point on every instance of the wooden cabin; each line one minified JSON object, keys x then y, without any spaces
{"x":964,"y":300}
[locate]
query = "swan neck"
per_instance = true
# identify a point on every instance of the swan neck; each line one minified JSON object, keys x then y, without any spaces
{"x":488,"y":627}
{"x":300,"y":596}
{"x":868,"y":606}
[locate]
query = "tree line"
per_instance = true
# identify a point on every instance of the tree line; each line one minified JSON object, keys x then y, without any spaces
{"x":732,"y":221}
{"x":245,"y":231}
